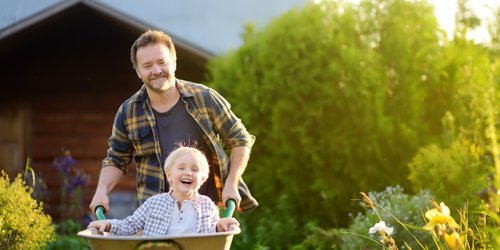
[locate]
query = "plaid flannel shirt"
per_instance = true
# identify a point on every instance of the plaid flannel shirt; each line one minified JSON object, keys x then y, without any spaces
{"x":134,"y":136}
{"x":155,"y":214}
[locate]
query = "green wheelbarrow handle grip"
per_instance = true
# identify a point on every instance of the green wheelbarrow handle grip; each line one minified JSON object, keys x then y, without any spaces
{"x":99,"y":212}
{"x":230,"y":207}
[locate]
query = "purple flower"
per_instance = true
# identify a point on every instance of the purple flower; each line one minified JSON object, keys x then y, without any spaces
{"x":64,"y":163}
{"x":79,"y":179}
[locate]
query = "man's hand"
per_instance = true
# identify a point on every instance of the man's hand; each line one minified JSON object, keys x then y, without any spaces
{"x":230,"y":191}
{"x":100,"y":198}
{"x":108,"y":178}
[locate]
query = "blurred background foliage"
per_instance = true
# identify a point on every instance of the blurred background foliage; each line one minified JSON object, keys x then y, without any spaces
{"x":350,"y":97}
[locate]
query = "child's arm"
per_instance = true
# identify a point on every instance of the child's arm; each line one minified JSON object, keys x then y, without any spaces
{"x":224,"y":224}
{"x":101,"y":225}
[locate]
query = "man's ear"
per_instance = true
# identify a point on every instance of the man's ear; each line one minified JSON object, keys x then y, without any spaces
{"x":137,"y":72}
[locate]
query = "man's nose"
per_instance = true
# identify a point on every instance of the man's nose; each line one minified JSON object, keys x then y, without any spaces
{"x":156,"y":69}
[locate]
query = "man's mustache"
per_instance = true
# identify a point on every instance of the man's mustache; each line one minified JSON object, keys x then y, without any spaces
{"x":163,"y":74}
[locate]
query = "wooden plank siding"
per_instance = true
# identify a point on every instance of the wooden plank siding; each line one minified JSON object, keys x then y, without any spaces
{"x":82,"y":125}
{"x":70,"y":72}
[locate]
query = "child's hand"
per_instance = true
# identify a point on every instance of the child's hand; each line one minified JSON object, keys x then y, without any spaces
{"x":225,"y":224}
{"x":101,"y":225}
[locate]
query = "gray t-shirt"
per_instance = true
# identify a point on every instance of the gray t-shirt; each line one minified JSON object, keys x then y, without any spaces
{"x":178,"y":126}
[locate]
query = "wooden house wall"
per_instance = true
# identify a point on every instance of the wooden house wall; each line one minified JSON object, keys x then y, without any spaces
{"x":78,"y":123}
{"x":67,"y":76}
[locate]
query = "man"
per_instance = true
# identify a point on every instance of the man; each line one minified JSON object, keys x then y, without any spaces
{"x":165,"y":113}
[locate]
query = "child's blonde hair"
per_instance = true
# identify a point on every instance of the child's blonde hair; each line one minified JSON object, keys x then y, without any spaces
{"x":199,"y":156}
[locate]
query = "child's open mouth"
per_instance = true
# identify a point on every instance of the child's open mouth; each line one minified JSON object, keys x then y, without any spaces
{"x":186,"y":182}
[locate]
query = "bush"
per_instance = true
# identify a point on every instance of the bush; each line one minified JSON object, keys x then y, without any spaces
{"x":396,"y":205}
{"x":283,"y":231}
{"x":341,"y":97}
{"x":66,"y":237}
{"x":394,"y":220}
{"x":455,"y":174}
{"x":337,"y":99}
{"x":23,"y":223}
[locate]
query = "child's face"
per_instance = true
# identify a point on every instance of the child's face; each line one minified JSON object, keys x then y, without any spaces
{"x":185,"y":176}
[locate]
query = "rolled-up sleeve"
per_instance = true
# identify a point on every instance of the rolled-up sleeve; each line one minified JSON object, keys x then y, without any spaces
{"x":119,"y":153}
{"x":228,"y":126}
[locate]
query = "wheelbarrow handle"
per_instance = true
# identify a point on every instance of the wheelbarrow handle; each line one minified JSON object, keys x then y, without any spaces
{"x":99,"y":212}
{"x":230,"y":207}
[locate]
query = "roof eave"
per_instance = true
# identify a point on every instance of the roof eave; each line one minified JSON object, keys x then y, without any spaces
{"x":129,"y":20}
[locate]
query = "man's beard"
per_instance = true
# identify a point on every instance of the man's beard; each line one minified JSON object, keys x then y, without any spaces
{"x":163,"y":88}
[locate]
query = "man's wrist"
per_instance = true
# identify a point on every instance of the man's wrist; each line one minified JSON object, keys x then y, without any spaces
{"x":101,"y":190}
{"x":232,"y":182}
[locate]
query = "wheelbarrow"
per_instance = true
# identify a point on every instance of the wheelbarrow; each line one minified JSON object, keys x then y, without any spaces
{"x":212,"y":241}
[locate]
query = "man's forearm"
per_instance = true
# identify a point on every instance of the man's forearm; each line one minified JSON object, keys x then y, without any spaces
{"x":108,"y":179}
{"x":238,"y":160}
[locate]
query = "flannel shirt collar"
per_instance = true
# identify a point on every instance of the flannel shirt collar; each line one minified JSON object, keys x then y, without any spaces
{"x":141,"y":95}
{"x":182,"y":89}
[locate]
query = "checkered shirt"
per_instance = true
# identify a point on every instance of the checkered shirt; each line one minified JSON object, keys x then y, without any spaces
{"x":155,"y":214}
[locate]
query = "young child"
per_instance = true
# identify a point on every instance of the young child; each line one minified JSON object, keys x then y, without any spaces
{"x":180,"y":211}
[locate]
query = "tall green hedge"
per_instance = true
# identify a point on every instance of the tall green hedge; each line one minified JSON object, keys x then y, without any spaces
{"x":341,"y":98}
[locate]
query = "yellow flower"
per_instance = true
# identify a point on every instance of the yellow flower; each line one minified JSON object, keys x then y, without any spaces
{"x":439,"y":216}
{"x":453,"y":241}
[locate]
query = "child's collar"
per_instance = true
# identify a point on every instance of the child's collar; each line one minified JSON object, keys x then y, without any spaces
{"x":195,"y":196}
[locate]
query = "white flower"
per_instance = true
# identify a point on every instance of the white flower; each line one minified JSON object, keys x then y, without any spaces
{"x":381,"y":227}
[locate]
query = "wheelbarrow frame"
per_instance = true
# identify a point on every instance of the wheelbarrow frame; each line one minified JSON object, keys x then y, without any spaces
{"x":212,"y":241}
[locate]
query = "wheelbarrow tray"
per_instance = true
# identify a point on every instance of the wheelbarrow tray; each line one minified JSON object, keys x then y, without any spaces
{"x":212,"y":241}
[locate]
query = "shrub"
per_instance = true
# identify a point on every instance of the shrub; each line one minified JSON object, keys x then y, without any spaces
{"x":341,"y":101}
{"x":337,"y":99}
{"x":23,"y":223}
{"x":455,"y":174}
{"x":396,"y":205}
{"x":66,"y":237}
